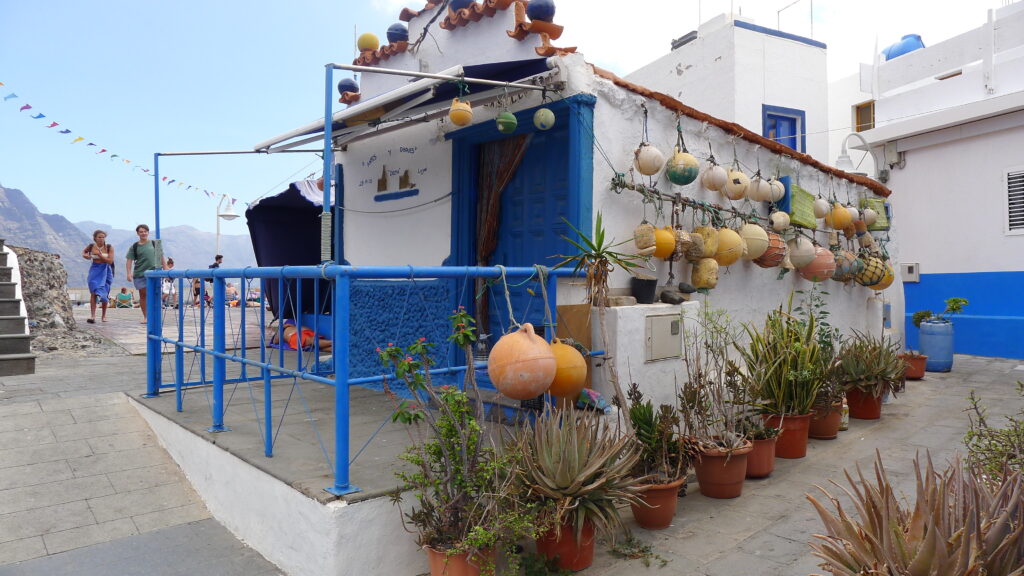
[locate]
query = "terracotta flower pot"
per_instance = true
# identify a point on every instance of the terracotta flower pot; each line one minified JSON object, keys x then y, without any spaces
{"x":915,"y":366}
{"x":825,"y":426}
{"x":761,"y":460}
{"x":792,"y":442}
{"x":864,"y":405}
{"x":661,"y":500}
{"x":561,"y":542}
{"x":441,"y":564}
{"x":720,"y":474}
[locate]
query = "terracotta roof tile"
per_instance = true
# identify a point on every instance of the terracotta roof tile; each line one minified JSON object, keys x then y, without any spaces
{"x":547,"y":50}
{"x":407,"y":14}
{"x":473,"y":13}
{"x":524,"y":26}
{"x":373,"y":57}
{"x":737,"y":130}
{"x":349,"y":97}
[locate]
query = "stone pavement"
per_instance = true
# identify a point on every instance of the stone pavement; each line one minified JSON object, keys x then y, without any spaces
{"x":84,"y":488}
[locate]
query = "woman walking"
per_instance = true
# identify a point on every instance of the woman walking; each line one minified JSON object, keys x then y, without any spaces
{"x":101,"y":273}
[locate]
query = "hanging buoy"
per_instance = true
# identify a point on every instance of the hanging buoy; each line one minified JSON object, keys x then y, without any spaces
{"x":759,"y":190}
{"x":704,"y":274}
{"x":756,"y":240}
{"x":736,"y":185}
{"x":838,"y":218}
{"x":801,"y":252}
{"x":570,"y":371}
{"x":683,"y":242}
{"x":821,"y":268}
{"x":461,"y":114}
{"x":696,"y":250}
{"x":643,"y":236}
{"x":398,"y":32}
{"x":872,"y":273}
{"x":506,"y":122}
{"x":847,"y":266}
{"x":367,"y":42}
{"x":887,"y":278}
{"x":854,"y":213}
{"x":682,"y":168}
{"x":779,"y":220}
{"x":714,"y":178}
{"x":347,"y":85}
{"x":730,"y":247}
{"x":543,"y":119}
{"x":821,"y":207}
{"x":521,"y":364}
{"x":543,"y":10}
{"x":774,"y":254}
{"x":710,"y":237}
{"x":778,"y":190}
{"x":648,"y":159}
{"x":664,"y":242}
{"x":870,"y":216}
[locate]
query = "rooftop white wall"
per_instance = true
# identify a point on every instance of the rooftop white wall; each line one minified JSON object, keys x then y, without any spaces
{"x":843,"y":95}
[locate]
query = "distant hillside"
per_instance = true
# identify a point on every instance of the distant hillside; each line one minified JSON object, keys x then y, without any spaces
{"x":21,"y":224}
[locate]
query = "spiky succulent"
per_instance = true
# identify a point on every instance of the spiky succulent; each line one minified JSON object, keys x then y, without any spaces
{"x":871,"y":363}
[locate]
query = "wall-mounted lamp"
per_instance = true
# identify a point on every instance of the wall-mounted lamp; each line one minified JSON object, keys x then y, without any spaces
{"x":844,"y":162}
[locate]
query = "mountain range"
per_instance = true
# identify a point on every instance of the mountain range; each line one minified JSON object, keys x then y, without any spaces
{"x":21,"y":224}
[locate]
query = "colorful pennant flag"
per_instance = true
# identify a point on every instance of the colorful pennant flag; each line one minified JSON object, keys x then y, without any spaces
{"x":25,"y":107}
{"x":38,"y":116}
{"x":9,"y":96}
{"x":52,"y":124}
{"x":102,"y":151}
{"x":65,"y":131}
{"x":79,"y":139}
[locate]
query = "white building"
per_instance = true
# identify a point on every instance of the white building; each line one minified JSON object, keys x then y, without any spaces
{"x":948,"y":131}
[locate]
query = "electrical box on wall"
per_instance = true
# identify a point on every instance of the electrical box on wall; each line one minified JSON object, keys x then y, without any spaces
{"x":911,"y":271}
{"x":663,"y":336}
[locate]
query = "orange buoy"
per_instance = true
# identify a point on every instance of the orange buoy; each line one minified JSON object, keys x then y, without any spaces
{"x":570,"y":371}
{"x":774,"y":254}
{"x":521,"y":364}
{"x":822,"y":267}
{"x":664,"y":242}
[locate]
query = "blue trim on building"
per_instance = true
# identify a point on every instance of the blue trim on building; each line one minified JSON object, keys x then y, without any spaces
{"x":388,"y":196}
{"x":778,"y":34}
{"x":767,"y":109}
{"x":994,"y":318}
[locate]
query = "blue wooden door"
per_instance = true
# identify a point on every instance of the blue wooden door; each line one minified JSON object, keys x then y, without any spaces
{"x":782,"y":129}
{"x":531,"y":230}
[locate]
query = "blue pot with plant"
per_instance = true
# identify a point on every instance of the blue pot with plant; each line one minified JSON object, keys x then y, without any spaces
{"x":935,"y":336}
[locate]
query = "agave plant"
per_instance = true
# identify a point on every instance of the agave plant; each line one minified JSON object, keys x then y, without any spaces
{"x":959,"y":525}
{"x":871,"y":364}
{"x":576,"y":463}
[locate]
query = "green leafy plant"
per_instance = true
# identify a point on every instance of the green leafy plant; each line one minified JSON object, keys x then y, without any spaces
{"x":953,"y":306}
{"x":813,"y":309}
{"x":662,"y":459}
{"x":633,"y":548}
{"x":871,"y":364}
{"x":578,"y":469}
{"x":959,"y":525}
{"x":995,"y":452}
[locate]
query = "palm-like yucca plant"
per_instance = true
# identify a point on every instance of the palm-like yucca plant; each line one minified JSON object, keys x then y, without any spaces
{"x":959,"y":525}
{"x":871,"y":364}
{"x":784,"y":367}
{"x":575,"y":462}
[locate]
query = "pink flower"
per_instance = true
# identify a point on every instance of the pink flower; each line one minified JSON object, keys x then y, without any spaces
{"x":378,"y":349}
{"x":423,"y":338}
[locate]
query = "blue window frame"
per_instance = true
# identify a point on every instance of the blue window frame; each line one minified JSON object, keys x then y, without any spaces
{"x":786,"y":126}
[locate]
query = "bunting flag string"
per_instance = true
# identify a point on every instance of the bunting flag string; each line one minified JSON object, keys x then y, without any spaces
{"x":53,"y":124}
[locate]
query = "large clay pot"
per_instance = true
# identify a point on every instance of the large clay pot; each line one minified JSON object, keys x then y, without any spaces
{"x":570,"y":371}
{"x":441,"y":564}
{"x":561,"y":542}
{"x":521,"y":364}
{"x":825,"y":425}
{"x":915,"y":366}
{"x":864,"y":405}
{"x":761,"y":460}
{"x":720,"y":474}
{"x":792,"y":442}
{"x":661,"y":500}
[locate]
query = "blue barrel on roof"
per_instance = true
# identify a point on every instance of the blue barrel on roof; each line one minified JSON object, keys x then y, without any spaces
{"x":909,"y":43}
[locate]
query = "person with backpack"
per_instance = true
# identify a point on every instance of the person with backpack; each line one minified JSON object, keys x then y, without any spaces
{"x":143,"y":256}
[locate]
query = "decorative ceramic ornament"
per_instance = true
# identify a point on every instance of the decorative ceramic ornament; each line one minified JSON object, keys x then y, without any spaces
{"x":872,"y":273}
{"x":778,"y":190}
{"x":664,"y":242}
{"x":710,"y":237}
{"x":648,"y":159}
{"x":730,"y":247}
{"x":461,"y":114}
{"x":682,"y":168}
{"x":398,"y":32}
{"x":838,"y":218}
{"x":714,"y":178}
{"x":543,"y":119}
{"x":854,"y":213}
{"x":869,"y":216}
{"x":759,"y":190}
{"x":543,"y":10}
{"x":506,"y":122}
{"x":801,"y":252}
{"x":847,"y":266}
{"x":347,"y":85}
{"x":821,"y":268}
{"x":643,"y":236}
{"x":521,"y":364}
{"x":570,"y":371}
{"x":774,"y":254}
{"x":755,"y":238}
{"x":779,"y":220}
{"x":887,"y":278}
{"x":368,"y":42}
{"x":704,"y":274}
{"x":736,"y":185}
{"x":821,"y":208}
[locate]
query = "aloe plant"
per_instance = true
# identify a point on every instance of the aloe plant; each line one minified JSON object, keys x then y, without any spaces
{"x":959,"y":525}
{"x":784,"y":366}
{"x":871,"y":364}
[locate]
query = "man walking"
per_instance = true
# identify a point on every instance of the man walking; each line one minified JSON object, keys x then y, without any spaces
{"x":143,"y":256}
{"x":217,"y":261}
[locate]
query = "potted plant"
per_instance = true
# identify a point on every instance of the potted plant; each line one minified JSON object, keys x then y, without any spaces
{"x":761,"y":459}
{"x":869,"y":366}
{"x":662,"y":464}
{"x":467,"y":504}
{"x":784,"y":372}
{"x":935,"y":337}
{"x":577,"y":469}
{"x":712,"y":414}
{"x":827,"y":411}
{"x":915,"y":364}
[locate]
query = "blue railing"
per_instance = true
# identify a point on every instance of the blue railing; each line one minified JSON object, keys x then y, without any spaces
{"x":340,"y":279}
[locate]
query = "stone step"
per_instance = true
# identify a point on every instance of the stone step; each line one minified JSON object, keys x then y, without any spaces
{"x":5,"y":273}
{"x":8,"y":289}
{"x":10,"y":306}
{"x":12,"y":324}
{"x":17,"y":364}
{"x":15,"y":344}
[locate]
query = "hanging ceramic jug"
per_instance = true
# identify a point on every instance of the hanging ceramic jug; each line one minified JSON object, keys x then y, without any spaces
{"x":821,"y":268}
{"x":570,"y":371}
{"x":521,"y":364}
{"x":730,"y":247}
{"x":704,"y":274}
{"x":714,"y":178}
{"x":461,"y":114}
{"x":736,"y":184}
{"x":755,"y":238}
{"x":664,"y":242}
{"x":682,"y":168}
{"x":774,"y":254}
{"x":648,"y":159}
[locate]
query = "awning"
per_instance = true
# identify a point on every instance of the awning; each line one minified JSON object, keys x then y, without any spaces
{"x":418,"y":101}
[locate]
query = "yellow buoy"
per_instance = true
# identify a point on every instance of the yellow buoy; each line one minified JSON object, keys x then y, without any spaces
{"x":756,"y":240}
{"x":367,"y":42}
{"x":730,"y":247}
{"x":838,"y":218}
{"x":461,"y":114}
{"x":664,"y":242}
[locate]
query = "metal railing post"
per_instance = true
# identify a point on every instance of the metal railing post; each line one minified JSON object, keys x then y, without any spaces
{"x":340,"y":312}
{"x":154,"y":330}
{"x":179,"y":352}
{"x":218,"y":361}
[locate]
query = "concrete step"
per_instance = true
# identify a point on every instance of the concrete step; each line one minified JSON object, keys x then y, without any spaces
{"x":5,"y":273}
{"x":10,"y":306}
{"x":15,"y":344}
{"x":17,"y":364}
{"x":7,"y":289}
{"x":12,"y":324}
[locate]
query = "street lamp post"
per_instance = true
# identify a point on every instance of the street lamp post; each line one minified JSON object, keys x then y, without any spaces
{"x":844,"y":162}
{"x":227,"y":214}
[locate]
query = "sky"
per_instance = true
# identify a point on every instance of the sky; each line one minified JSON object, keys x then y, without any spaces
{"x":136,"y":77}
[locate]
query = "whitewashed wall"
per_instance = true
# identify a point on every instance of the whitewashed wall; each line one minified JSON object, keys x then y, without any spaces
{"x":843,"y":95}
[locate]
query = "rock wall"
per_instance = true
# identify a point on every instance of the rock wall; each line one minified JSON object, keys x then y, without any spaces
{"x":44,"y":289}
